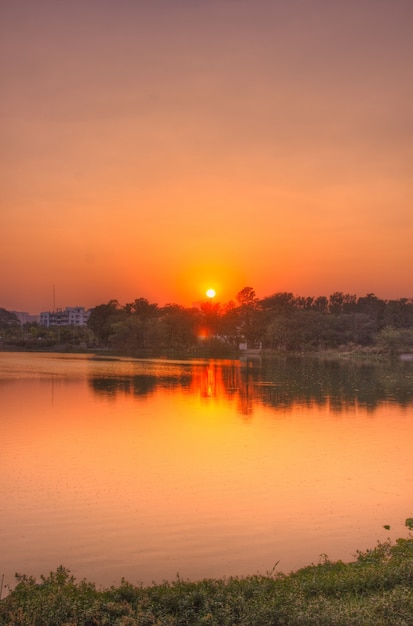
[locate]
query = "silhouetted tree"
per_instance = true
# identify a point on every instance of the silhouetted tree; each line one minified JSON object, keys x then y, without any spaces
{"x":340,"y":302}
{"x":250,"y":320}
{"x":399,"y":313}
{"x":372,"y":306}
{"x":321,"y":304}
{"x":228,"y":326}
{"x":8,"y":319}
{"x":282,"y":303}
{"x":281,"y":321}
{"x":142,"y":308}
{"x":210,"y":317}
{"x":101,"y":319}
{"x":178,"y":327}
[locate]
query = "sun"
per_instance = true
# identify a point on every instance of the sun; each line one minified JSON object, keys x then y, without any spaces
{"x":211,"y":293}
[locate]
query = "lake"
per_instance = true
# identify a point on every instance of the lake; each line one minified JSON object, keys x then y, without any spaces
{"x":153,"y":469}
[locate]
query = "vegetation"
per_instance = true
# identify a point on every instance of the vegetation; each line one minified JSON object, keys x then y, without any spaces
{"x":280,"y":322}
{"x":9,"y":324}
{"x":376,"y":589}
{"x":33,"y":336}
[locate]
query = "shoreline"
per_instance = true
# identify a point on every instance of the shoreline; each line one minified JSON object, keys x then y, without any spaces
{"x":376,"y":589}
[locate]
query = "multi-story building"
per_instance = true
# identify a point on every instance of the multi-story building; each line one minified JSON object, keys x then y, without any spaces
{"x":25,"y":318}
{"x":70,"y":316}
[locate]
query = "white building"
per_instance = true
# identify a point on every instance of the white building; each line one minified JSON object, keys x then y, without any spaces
{"x":71,"y":316}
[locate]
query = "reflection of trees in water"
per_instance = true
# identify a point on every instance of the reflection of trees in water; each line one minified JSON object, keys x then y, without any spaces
{"x":227,"y":379}
{"x":340,"y":383}
{"x":139,"y":385}
{"x":249,"y":378}
{"x":282,"y":382}
{"x":279,"y":382}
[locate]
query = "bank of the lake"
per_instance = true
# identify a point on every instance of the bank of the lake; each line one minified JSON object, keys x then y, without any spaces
{"x":374,"y":590}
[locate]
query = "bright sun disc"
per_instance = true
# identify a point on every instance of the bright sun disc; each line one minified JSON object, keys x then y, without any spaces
{"x":211,"y":293}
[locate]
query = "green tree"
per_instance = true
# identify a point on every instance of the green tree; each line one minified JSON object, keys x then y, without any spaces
{"x":10,"y":327}
{"x":251,"y":322}
{"x":210,"y":317}
{"x":178,"y":327}
{"x":101,"y":319}
{"x":277,"y":334}
{"x":127,"y":335}
{"x":340,"y":302}
{"x":399,"y":313}
{"x":395,"y":340}
{"x":8,"y":320}
{"x":282,"y":303}
{"x":142,"y":308}
{"x":374,"y":307}
{"x":228,"y":323}
{"x":321,"y":304}
{"x":247,"y":298}
{"x":144,"y":331}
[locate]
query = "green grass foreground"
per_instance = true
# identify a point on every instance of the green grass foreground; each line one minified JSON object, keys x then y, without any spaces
{"x":376,"y":589}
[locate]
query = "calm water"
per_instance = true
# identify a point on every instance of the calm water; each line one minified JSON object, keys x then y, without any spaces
{"x":149,"y":469}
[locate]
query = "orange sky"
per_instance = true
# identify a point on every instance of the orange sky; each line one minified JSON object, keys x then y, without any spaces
{"x":157,"y":148}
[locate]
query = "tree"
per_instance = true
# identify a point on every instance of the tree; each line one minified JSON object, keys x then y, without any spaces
{"x":210,"y":317}
{"x":321,"y":304}
{"x":127,"y":335}
{"x":8,"y":319}
{"x":178,"y":326}
{"x":372,"y":306}
{"x":399,"y":313}
{"x":10,"y":328}
{"x":250,"y":321}
{"x":228,"y":323}
{"x":142,"y":308}
{"x":277,"y":334}
{"x":145,"y":312}
{"x":395,"y":340}
{"x":282,"y":303}
{"x":340,"y":302}
{"x":101,"y":319}
{"x":247,"y":298}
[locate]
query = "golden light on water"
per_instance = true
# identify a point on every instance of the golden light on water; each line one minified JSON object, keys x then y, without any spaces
{"x":199,"y":467}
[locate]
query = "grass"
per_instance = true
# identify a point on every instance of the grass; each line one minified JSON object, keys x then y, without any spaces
{"x":376,"y":589}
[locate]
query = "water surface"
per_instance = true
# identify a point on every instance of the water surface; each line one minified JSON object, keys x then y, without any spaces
{"x":149,"y":469}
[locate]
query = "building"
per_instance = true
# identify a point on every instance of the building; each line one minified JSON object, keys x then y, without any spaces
{"x":25,"y":318}
{"x":70,"y":316}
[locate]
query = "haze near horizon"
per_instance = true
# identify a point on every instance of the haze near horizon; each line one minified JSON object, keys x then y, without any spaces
{"x":158,"y":149}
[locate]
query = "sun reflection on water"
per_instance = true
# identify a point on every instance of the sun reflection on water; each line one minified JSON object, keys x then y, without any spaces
{"x":142,"y":469}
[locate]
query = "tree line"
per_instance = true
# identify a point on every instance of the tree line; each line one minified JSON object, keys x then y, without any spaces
{"x":281,"y":321}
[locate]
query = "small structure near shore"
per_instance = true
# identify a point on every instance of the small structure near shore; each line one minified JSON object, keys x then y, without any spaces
{"x":248,"y":348}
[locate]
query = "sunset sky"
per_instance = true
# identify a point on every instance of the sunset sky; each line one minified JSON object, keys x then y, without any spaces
{"x":155,"y":148}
